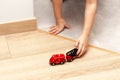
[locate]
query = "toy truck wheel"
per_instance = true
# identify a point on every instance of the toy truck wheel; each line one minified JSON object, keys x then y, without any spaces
{"x":61,"y":62}
{"x":69,"y":60}
{"x":53,"y":64}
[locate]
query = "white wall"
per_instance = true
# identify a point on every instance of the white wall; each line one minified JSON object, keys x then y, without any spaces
{"x":11,"y":10}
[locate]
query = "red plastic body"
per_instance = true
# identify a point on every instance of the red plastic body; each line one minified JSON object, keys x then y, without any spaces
{"x":57,"y":59}
{"x":70,"y":58}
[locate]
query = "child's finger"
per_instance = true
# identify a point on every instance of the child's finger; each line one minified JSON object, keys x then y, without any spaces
{"x":57,"y":32}
{"x":76,"y":44}
{"x":82,"y":51}
{"x":79,"y":49}
{"x":68,"y":26}
{"x":52,"y":29}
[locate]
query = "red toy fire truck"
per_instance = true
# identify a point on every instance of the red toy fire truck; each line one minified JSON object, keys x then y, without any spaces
{"x":57,"y":59}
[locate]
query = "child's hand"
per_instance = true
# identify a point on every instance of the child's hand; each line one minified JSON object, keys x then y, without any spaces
{"x":82,"y":45}
{"x":60,"y":25}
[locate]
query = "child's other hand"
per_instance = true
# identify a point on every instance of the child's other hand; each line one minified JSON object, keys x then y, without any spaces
{"x":82,"y":45}
{"x":59,"y":27}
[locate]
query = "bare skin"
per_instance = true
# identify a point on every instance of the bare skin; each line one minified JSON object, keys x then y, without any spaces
{"x":61,"y":24}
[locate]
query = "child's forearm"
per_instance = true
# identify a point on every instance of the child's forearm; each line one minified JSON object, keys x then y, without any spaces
{"x":57,"y":6}
{"x":90,"y":12}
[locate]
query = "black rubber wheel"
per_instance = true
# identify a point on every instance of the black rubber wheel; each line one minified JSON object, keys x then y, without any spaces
{"x":61,"y":62}
{"x":53,"y":64}
{"x":69,"y":60}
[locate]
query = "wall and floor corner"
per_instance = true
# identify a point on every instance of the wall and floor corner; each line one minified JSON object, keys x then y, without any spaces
{"x":16,"y":16}
{"x":105,"y":32}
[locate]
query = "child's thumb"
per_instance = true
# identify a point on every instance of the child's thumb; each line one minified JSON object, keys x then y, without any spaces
{"x":76,"y":44}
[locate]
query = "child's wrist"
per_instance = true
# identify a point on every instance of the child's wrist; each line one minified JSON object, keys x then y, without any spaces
{"x":85,"y":35}
{"x":60,"y":20}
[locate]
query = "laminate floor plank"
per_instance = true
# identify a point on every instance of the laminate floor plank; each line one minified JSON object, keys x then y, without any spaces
{"x":32,"y":50}
{"x":4,"y":50}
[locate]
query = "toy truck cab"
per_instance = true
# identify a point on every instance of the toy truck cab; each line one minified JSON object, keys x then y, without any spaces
{"x":71,"y":55}
{"x":57,"y":59}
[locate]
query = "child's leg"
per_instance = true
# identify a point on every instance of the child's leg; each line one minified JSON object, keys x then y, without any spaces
{"x":60,"y":22}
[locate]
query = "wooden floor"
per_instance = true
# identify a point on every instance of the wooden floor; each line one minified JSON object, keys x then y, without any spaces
{"x":25,"y":56}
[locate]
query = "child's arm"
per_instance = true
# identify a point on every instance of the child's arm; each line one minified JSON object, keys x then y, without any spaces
{"x":90,"y":12}
{"x":57,"y":6}
{"x":61,"y":24}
